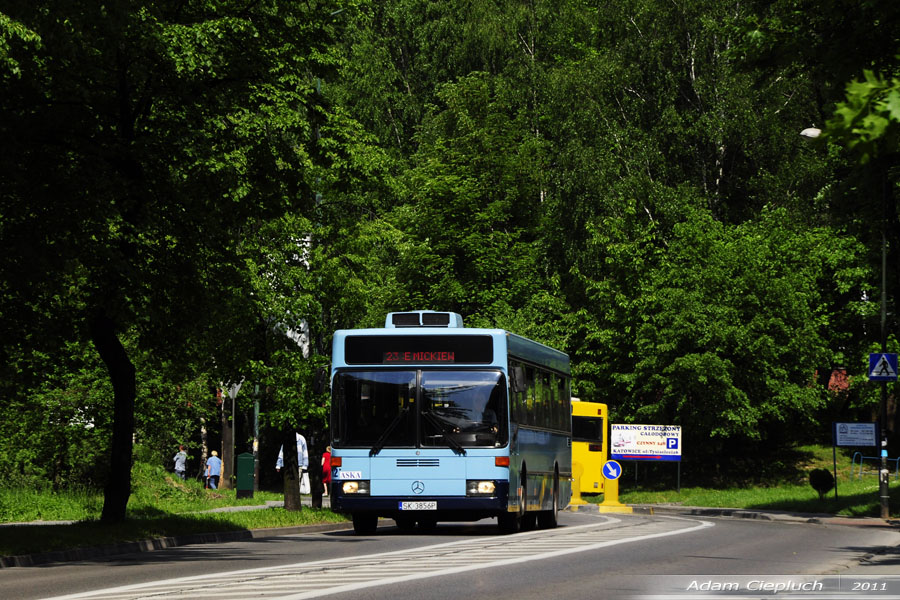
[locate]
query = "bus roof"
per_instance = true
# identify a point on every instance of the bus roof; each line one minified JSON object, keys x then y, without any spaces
{"x":588,"y":409}
{"x":536,"y":352}
{"x":517,"y":346}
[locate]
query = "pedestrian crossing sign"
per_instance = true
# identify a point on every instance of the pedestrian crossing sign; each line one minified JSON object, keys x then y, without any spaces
{"x":883,"y":366}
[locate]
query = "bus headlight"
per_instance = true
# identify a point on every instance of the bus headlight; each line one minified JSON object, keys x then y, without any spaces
{"x":480,"y":488}
{"x":359,"y":487}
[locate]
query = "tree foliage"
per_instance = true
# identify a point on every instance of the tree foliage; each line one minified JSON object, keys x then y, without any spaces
{"x":144,"y":141}
{"x":205,"y":190}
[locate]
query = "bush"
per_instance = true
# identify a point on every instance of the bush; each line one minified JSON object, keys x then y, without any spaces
{"x":821,"y":480}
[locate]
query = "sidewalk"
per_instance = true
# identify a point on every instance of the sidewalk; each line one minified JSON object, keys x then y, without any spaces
{"x":306,"y":500}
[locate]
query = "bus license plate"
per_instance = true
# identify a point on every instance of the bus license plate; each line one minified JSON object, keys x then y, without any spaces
{"x":418,"y":506}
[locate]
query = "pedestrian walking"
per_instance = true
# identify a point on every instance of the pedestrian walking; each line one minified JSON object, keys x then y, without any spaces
{"x":326,"y":469}
{"x":180,"y":460}
{"x":213,"y":470}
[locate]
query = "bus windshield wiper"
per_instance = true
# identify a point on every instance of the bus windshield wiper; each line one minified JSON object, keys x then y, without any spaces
{"x":439,"y":423}
{"x":379,"y":445}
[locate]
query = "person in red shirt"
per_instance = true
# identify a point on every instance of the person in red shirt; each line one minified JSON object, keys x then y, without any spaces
{"x":326,"y":469}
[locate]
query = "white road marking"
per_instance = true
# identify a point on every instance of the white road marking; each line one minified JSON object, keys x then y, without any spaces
{"x":322,"y":578}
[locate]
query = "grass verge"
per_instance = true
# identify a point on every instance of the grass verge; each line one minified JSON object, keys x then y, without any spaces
{"x":857,"y":496}
{"x":160,"y":506}
{"x":31,"y":539}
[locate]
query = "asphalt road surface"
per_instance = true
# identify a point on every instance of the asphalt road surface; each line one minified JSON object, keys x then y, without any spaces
{"x":589,"y":556}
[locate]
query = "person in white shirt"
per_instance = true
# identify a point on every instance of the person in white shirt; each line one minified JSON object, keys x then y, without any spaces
{"x":302,"y":461}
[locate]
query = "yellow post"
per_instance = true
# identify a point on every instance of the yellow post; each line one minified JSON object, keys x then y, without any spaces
{"x":611,"y":490}
{"x":577,"y":473}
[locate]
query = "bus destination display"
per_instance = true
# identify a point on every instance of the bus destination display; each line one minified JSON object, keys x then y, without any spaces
{"x":418,"y":349}
{"x":406,"y":357}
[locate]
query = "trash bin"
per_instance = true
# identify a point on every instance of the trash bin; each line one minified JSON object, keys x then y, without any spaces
{"x":245,"y":468}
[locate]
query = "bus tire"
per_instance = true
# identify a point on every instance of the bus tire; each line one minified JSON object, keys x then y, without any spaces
{"x":549,"y":519}
{"x":508,"y":522}
{"x":364,"y":523}
{"x":528,"y":521}
{"x":513,"y":522}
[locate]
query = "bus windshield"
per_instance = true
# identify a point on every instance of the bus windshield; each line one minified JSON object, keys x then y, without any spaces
{"x":462,"y":407}
{"x":587,"y":429}
{"x":455,"y":409}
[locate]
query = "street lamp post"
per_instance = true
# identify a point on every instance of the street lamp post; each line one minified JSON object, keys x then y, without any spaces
{"x":883,"y":474}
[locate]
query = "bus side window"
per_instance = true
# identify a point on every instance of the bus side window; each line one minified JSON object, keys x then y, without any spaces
{"x":566,"y":403}
{"x":555,"y":400}
{"x":564,"y":410}
{"x":541,"y":402}
{"x":517,"y":400}
{"x":530,"y":398}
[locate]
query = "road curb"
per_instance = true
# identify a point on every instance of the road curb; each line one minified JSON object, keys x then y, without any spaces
{"x":741,"y":513}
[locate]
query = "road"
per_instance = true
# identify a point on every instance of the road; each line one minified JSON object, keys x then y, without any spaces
{"x":589,"y":556}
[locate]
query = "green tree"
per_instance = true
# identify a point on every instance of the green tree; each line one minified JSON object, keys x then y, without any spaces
{"x":867,"y":122}
{"x":857,"y":100}
{"x":473,"y":205}
{"x":140,"y":142}
{"x":735,"y":318}
{"x":680,"y":134}
{"x":312,"y":274}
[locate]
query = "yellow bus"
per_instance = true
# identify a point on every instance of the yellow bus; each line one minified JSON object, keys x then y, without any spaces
{"x":589,"y":448}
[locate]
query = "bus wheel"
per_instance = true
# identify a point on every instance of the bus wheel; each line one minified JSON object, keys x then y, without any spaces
{"x":514,"y":522}
{"x":528,"y":522}
{"x":508,"y":522}
{"x":548,"y":519}
{"x":364,"y":523}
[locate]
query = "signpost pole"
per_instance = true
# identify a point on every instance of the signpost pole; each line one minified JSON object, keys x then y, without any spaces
{"x":611,"y":472}
{"x":883,"y":369}
{"x":834,"y":457}
{"x":883,"y":475}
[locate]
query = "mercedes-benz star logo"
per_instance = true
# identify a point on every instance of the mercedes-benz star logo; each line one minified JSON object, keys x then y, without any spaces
{"x":418,"y":487}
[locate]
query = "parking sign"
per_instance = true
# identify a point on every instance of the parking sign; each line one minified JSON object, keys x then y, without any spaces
{"x":645,"y":442}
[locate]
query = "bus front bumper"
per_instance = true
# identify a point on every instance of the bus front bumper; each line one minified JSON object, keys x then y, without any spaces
{"x":445,"y":507}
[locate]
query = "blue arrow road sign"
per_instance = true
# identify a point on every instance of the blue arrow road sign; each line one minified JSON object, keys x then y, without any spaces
{"x":883,"y":366}
{"x":612,"y":469}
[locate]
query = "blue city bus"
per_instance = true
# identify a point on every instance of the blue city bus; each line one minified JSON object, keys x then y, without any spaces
{"x":433,"y":421}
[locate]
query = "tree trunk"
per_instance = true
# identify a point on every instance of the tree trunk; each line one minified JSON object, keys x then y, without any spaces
{"x":204,"y":451}
{"x":227,"y":442}
{"x":291,"y":469}
{"x":316,"y":447}
{"x":122,"y":375}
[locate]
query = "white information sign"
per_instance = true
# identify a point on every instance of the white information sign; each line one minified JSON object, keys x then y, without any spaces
{"x":855,"y":434}
{"x":645,"y":442}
